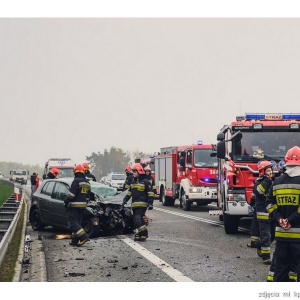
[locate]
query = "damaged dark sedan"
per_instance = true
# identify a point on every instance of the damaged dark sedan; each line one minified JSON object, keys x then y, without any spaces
{"x":104,"y":214}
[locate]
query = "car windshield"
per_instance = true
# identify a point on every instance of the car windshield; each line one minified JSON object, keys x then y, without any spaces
{"x":254,"y":146}
{"x":118,"y":177}
{"x":102,"y":190}
{"x":117,"y":198}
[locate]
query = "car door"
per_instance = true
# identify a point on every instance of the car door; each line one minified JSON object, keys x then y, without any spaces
{"x":58,"y":211}
{"x":44,"y":199}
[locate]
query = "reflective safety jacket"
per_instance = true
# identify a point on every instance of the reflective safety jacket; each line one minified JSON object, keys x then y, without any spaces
{"x":79,"y":192}
{"x":141,"y":193}
{"x":283,"y":202}
{"x":127,"y":182}
{"x":261,"y":190}
{"x":153,"y":187}
{"x":90,"y":176}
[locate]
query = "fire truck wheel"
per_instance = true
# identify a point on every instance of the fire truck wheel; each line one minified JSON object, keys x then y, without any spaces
{"x":166,"y":201}
{"x":186,"y":204}
{"x":231,"y":223}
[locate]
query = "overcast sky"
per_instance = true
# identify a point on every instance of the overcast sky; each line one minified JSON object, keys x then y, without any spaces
{"x":73,"y":86}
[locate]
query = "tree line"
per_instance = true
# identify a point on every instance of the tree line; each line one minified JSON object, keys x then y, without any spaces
{"x":112,"y":160}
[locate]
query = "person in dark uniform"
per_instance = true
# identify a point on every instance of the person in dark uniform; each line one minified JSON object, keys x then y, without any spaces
{"x":141,"y":193}
{"x":254,"y":225}
{"x":283,"y":204}
{"x":75,"y":204}
{"x":261,"y":190}
{"x":33,"y":178}
{"x":129,"y":178}
{"x":148,"y":175}
{"x":53,"y":173}
{"x":87,"y":172}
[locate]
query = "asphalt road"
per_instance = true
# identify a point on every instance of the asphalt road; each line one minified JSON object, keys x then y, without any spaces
{"x":182,"y":246}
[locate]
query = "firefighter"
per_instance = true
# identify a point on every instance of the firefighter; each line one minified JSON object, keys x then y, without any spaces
{"x":283,"y":205}
{"x":141,"y":193}
{"x":147,"y":170}
{"x":148,"y":175}
{"x":33,"y":180}
{"x":260,"y":190}
{"x":254,"y":226}
{"x":129,"y":178}
{"x":292,"y":274}
{"x":76,"y":203}
{"x":87,"y":172}
{"x":53,"y":173}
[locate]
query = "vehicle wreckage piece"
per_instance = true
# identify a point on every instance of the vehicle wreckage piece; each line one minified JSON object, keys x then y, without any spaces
{"x":109,"y":218}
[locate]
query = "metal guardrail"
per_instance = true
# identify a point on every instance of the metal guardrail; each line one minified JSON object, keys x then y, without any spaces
{"x":9,"y":216}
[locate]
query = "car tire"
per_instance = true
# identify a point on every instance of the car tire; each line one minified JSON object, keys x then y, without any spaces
{"x":35,"y":220}
{"x":91,"y":226}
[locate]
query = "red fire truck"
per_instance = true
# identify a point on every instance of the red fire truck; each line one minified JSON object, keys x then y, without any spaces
{"x":187,"y":173}
{"x":242,"y":145}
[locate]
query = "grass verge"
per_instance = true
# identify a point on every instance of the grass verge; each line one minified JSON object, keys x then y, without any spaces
{"x":5,"y":192}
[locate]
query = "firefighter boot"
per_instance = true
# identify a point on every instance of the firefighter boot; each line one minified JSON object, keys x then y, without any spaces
{"x":266,"y":259}
{"x":137,"y":237}
{"x":74,"y":240}
{"x":83,"y":239}
{"x":258,"y":249}
{"x":292,"y":276}
{"x":252,"y":244}
{"x":82,"y":242}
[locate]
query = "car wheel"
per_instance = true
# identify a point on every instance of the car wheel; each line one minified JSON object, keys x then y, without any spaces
{"x":35,"y":220}
{"x":91,"y":226}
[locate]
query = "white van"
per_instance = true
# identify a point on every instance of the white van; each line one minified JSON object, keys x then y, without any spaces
{"x":116,"y":180}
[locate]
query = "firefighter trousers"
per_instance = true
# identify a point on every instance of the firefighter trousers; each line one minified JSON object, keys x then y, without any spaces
{"x":287,"y":254}
{"x":292,"y":273}
{"x":74,"y":216}
{"x":265,"y":239}
{"x":254,"y":229}
{"x":139,"y":222}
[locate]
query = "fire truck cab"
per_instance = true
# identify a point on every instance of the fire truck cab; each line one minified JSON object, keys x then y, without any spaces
{"x":241,"y":146}
{"x":187,"y":173}
{"x":65,"y":166}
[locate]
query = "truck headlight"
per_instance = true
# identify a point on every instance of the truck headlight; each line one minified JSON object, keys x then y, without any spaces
{"x":195,"y":190}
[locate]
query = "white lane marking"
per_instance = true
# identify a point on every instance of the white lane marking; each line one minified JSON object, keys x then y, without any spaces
{"x":166,"y":268}
{"x":196,"y":218}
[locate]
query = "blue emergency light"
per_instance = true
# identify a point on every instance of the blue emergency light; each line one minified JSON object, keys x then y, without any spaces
{"x":272,"y":117}
{"x":200,"y":143}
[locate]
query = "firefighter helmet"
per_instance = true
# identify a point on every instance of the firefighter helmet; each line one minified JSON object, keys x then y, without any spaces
{"x":147,"y":168}
{"x":86,"y":166}
{"x":79,"y":169}
{"x":138,"y":168}
{"x":127,"y":169}
{"x":54,"y":171}
{"x":292,"y":157}
{"x":263,"y":165}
